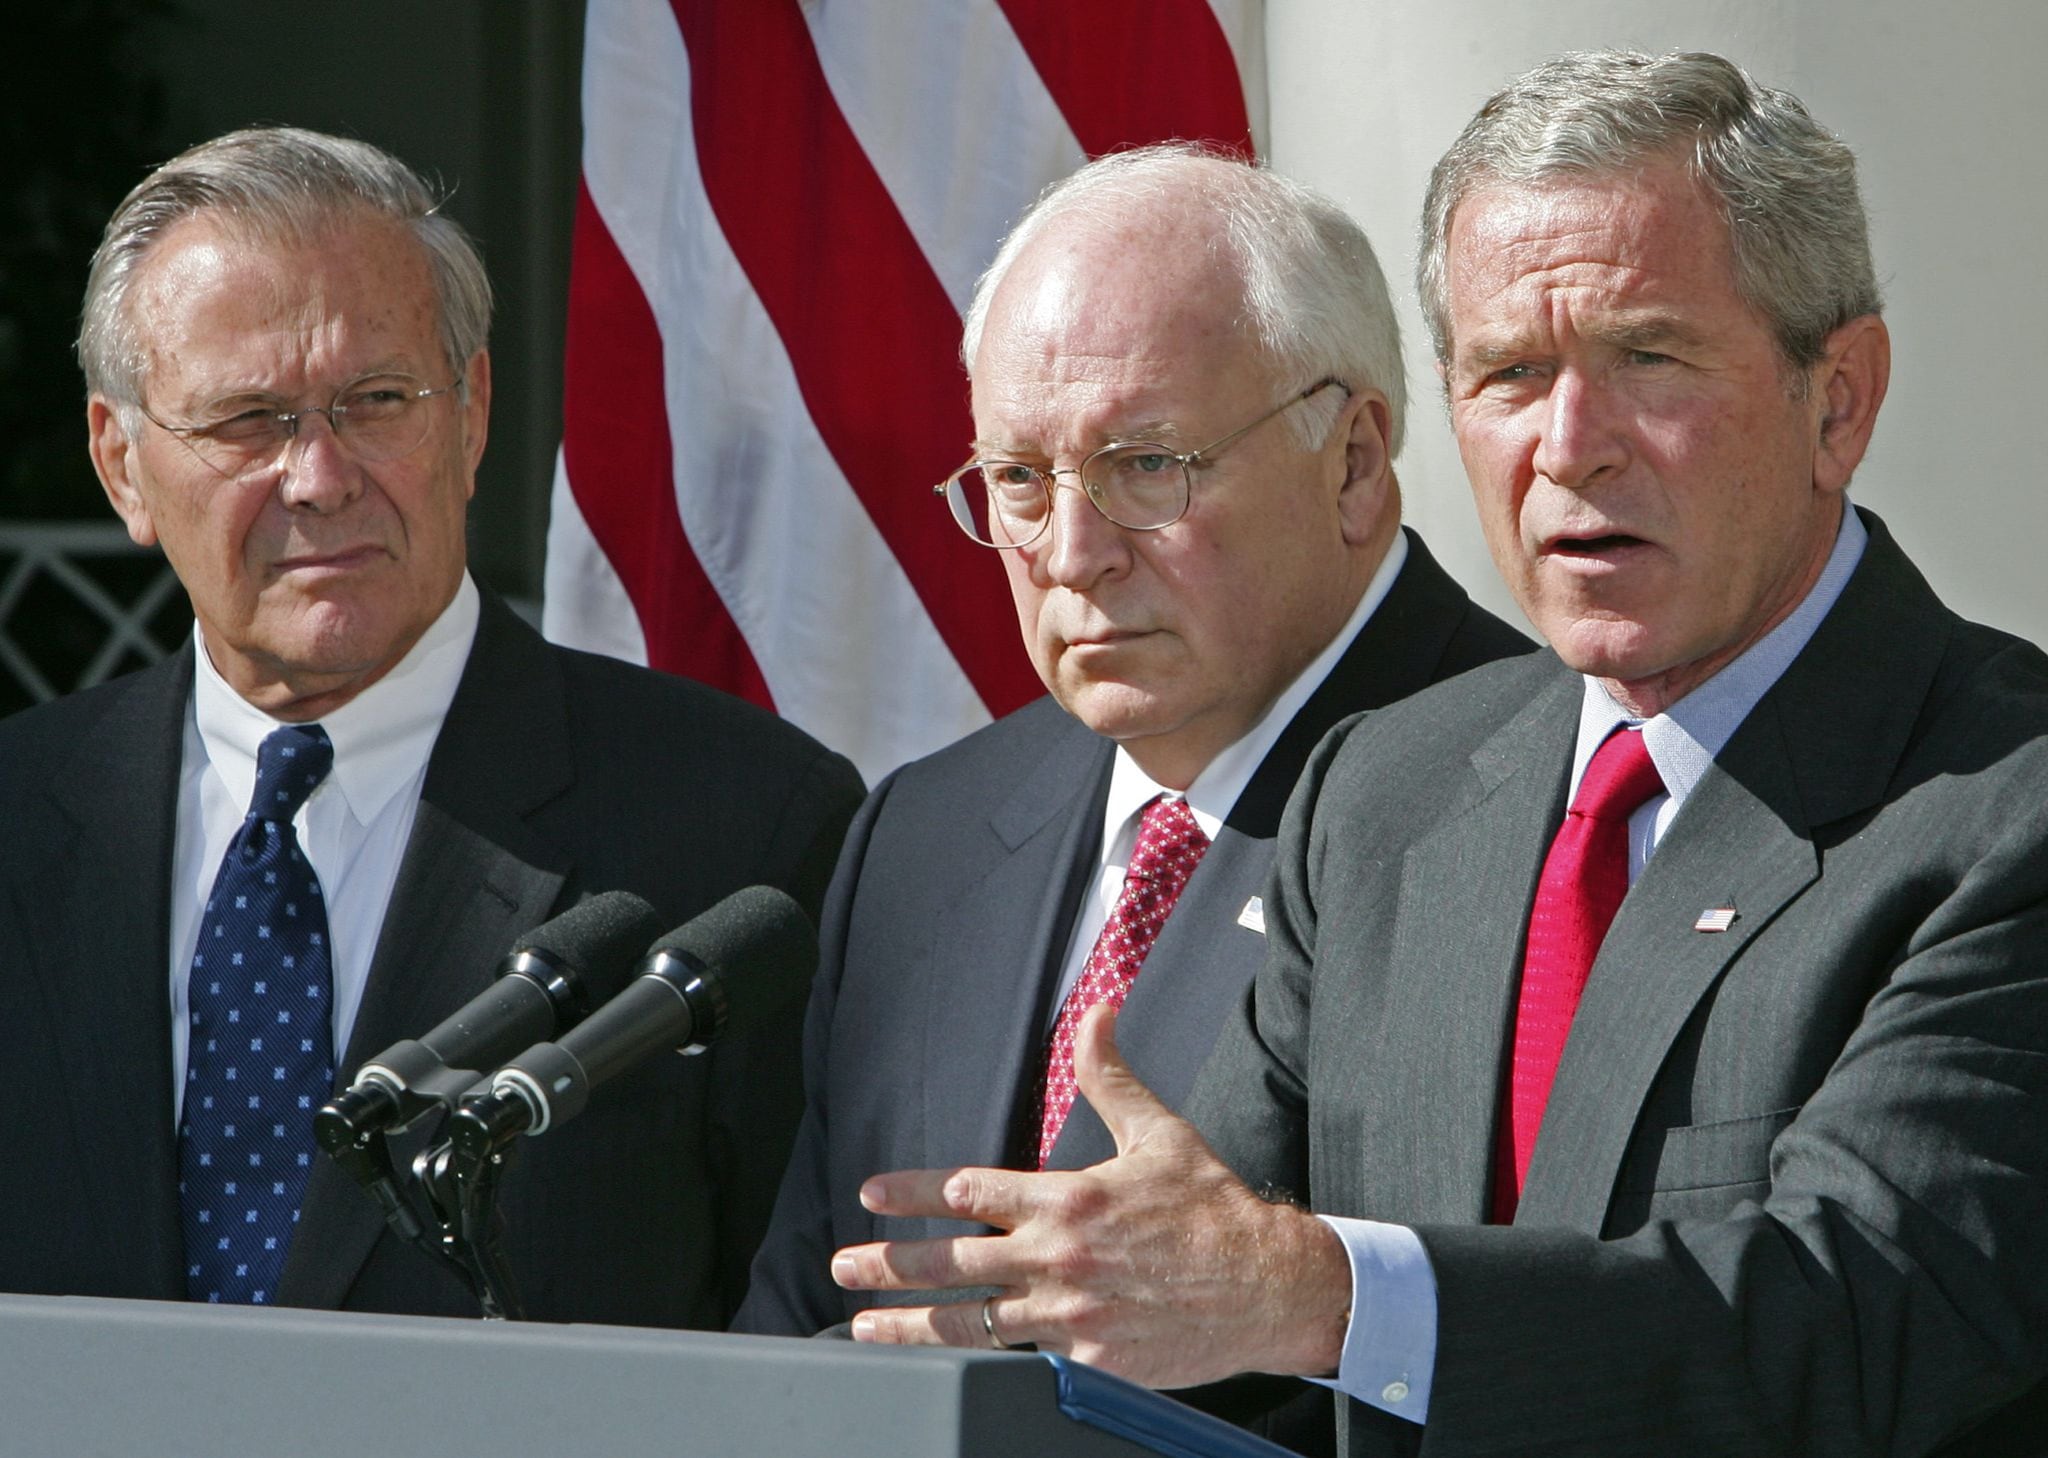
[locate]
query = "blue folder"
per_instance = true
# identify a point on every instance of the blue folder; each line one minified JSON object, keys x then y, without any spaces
{"x":1089,"y":1395}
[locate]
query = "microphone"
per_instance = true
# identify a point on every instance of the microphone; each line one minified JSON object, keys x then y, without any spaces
{"x":549,"y":982}
{"x":727,"y":970}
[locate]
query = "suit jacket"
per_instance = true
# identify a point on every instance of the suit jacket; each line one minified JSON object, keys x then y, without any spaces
{"x":1788,"y":1195}
{"x":555,"y":774}
{"x":949,"y":920}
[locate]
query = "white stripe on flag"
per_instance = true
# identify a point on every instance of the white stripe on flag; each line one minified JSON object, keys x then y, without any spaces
{"x":953,"y":116}
{"x":842,"y":639}
{"x":583,"y":603}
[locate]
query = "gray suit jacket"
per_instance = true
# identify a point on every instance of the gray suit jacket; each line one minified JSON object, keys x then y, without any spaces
{"x":555,"y":774}
{"x":948,"y":923}
{"x":1789,"y":1193}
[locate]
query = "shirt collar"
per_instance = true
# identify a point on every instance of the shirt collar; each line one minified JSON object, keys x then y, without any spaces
{"x":1216,"y":789}
{"x":1684,"y":739}
{"x":381,"y":737}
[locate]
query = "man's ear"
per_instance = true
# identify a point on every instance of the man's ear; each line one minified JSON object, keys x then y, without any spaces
{"x":476,"y":414}
{"x":114,"y":457}
{"x":1849,"y":385}
{"x":1368,"y":485}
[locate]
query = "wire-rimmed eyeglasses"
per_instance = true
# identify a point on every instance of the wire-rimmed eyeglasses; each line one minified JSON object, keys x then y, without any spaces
{"x":1140,"y":485}
{"x":375,"y":418}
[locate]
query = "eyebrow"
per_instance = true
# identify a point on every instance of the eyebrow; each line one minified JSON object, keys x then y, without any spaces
{"x":1162,"y":432}
{"x":1645,"y":332}
{"x":243,"y":390}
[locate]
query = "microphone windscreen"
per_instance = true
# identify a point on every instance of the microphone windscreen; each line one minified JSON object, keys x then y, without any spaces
{"x":760,"y":945}
{"x":600,"y":939}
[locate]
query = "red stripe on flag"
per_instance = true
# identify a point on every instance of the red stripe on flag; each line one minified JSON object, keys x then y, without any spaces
{"x":868,"y":328}
{"x":615,"y":446}
{"x":1137,"y":71}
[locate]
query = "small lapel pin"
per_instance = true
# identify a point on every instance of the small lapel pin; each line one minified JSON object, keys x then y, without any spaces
{"x":1715,"y":919}
{"x":1253,"y":917}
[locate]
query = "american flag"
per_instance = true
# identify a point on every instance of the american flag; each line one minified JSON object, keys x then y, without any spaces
{"x":783,"y":211}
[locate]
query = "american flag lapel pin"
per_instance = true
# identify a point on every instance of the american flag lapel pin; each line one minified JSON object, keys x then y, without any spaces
{"x":1715,"y":919}
{"x":1253,"y":917}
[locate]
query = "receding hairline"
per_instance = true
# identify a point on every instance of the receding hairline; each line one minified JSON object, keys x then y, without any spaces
{"x":233,"y":227}
{"x":227,"y":228}
{"x":1167,"y":236}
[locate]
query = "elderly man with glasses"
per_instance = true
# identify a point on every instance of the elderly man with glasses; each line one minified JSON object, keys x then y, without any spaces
{"x":1187,"y":393}
{"x":284,"y":345}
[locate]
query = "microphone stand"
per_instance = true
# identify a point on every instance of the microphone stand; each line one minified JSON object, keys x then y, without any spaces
{"x":459,"y":1192}
{"x":462,"y":1192}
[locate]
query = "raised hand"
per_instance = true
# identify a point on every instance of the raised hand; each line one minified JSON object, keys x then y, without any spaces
{"x":1159,"y":1265}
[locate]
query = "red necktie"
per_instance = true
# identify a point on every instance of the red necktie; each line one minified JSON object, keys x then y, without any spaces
{"x":1585,"y":877}
{"x":1170,"y":846}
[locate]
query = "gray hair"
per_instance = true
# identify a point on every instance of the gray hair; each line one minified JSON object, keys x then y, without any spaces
{"x":1784,"y":183}
{"x":1314,"y":296}
{"x":281,"y":183}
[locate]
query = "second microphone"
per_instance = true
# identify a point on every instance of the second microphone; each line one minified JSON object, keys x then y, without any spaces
{"x":731,"y":968}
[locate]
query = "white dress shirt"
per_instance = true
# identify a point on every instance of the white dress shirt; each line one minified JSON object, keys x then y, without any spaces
{"x":1215,"y":790}
{"x":1389,"y":1355}
{"x":353,"y":828}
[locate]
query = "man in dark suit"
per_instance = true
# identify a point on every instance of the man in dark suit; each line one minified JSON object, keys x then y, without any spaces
{"x":289,"y":388}
{"x":1715,"y":1118}
{"x":1197,"y":650}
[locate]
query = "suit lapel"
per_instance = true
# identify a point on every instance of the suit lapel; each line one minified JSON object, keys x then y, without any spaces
{"x":1465,"y":895}
{"x":107,"y":892}
{"x":476,"y":875}
{"x":1005,"y":939}
{"x":1397,"y":653}
{"x":1820,"y":746}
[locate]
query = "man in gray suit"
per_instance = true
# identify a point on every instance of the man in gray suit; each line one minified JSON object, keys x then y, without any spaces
{"x":1761,"y":1171}
{"x":285,"y":349}
{"x":1188,"y":396}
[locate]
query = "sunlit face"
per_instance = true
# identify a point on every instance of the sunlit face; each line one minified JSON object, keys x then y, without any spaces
{"x":313,"y":573}
{"x":1643,"y":460}
{"x":1173,"y":642}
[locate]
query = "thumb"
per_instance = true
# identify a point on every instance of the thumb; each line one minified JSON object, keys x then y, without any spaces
{"x":1131,"y":1111}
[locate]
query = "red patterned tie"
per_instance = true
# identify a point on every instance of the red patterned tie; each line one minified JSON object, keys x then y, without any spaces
{"x":1170,"y":846}
{"x":1585,"y":877}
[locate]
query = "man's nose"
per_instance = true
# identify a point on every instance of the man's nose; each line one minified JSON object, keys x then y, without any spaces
{"x":320,"y":472}
{"x":1082,"y":543}
{"x":1581,"y":437}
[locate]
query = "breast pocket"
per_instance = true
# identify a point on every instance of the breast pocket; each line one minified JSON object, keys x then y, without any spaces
{"x":1697,"y":1171}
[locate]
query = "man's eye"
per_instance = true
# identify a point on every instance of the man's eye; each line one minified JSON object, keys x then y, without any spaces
{"x":1500,"y":377}
{"x":1649,"y":357}
{"x":1149,"y":463}
{"x":242,"y":425}
{"x":369,"y":407}
{"x":1008,"y":476}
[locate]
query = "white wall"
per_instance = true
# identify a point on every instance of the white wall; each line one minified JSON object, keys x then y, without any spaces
{"x":1945,"y":108}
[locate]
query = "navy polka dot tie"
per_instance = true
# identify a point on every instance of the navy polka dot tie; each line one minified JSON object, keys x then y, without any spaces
{"x":261,"y":1056}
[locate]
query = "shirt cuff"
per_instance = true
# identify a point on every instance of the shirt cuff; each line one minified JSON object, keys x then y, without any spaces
{"x":1390,"y":1345}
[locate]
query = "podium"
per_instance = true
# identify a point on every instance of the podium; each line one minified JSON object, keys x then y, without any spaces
{"x":87,"y":1376}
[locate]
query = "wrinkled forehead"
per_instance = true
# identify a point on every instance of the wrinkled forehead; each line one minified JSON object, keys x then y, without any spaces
{"x":1651,"y":229}
{"x":218,"y":294}
{"x":1117,"y":287}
